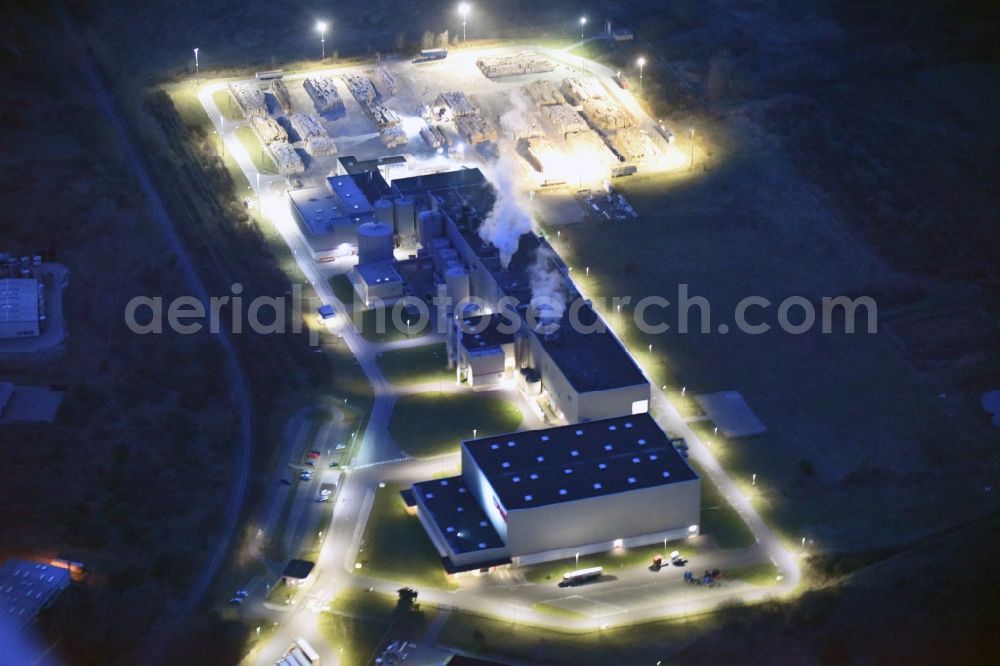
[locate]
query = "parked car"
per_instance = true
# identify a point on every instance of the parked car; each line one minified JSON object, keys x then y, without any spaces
{"x":306,"y":475}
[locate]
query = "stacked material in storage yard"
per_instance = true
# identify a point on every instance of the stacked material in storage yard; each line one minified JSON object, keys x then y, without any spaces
{"x":249,"y":98}
{"x":313,"y":135}
{"x":387,"y":79}
{"x":323,"y":92}
{"x":563,"y":119}
{"x":382,"y":115}
{"x":268,"y":130}
{"x":544,"y":93}
{"x":634,"y":145}
{"x":541,"y":154}
{"x":606,"y":114}
{"x":453,"y":104}
{"x":520,"y":125}
{"x":433,"y":136}
{"x":475,"y":129}
{"x":589,"y":146}
{"x":393,"y":136}
{"x":285,"y":158}
{"x":361,"y":87}
{"x":521,"y":62}
{"x":280,"y":92}
{"x":578,"y":90}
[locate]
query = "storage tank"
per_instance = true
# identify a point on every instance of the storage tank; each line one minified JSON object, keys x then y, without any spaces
{"x":374,"y":242}
{"x":384,"y":212}
{"x":429,"y":225}
{"x":405,"y":217}
{"x":457,"y":279}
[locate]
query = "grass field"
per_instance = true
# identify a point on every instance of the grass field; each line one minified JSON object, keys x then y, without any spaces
{"x":417,"y":365}
{"x":449,"y":418}
{"x":255,"y":150}
{"x":396,"y":546}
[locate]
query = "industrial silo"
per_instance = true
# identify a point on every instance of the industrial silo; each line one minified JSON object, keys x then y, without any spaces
{"x":406,"y":217}
{"x":384,"y":212}
{"x":430,"y":225}
{"x":457,"y":279}
{"x":374,"y":242}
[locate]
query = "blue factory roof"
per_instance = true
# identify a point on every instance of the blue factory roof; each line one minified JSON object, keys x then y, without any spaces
{"x":349,"y":196}
{"x":379,"y":272}
{"x":458,"y":515}
{"x":320,"y":209}
{"x":539,"y":467}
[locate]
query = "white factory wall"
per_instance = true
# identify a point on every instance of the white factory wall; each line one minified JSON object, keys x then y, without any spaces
{"x":672,"y":508}
{"x":482,"y":490}
{"x":575,"y":406}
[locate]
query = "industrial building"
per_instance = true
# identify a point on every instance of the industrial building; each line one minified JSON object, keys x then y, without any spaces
{"x":547,"y":494}
{"x":20,"y":307}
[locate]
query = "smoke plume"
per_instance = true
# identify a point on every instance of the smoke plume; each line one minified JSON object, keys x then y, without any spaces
{"x":548,"y":289}
{"x":508,"y":220}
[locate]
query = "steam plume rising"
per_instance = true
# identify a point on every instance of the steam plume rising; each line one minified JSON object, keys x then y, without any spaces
{"x":508,"y":220}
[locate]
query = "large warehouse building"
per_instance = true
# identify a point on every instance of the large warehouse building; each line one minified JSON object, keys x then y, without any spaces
{"x":19,"y":307}
{"x":547,"y":494}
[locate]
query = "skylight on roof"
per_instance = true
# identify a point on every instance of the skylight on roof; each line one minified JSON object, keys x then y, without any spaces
{"x":505,"y":464}
{"x":608,"y":447}
{"x":579,"y":432}
{"x":429,"y":495}
{"x":511,"y":443}
{"x":567,"y":471}
{"x":545,"y":438}
{"x":601,"y":466}
{"x":612,"y":427}
{"x":516,"y":479}
{"x":653,"y":456}
{"x":628,"y":424}
{"x":534,"y":477}
{"x":482,"y":523}
{"x":631,"y":479}
{"x":540,"y":458}
{"x":562,"y":491}
{"x":642,"y":442}
{"x":444,"y":482}
{"x":528,"y":498}
{"x":494,"y":446}
{"x":574,"y":453}
{"x":635,"y":460}
{"x":666,"y":475}
{"x":598,"y":486}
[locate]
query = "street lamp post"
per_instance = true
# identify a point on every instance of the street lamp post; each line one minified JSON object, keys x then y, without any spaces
{"x":196,"y":71}
{"x":583,"y":22}
{"x":642,"y":63}
{"x":692,"y":149}
{"x":321,"y":27}
{"x":463,"y":11}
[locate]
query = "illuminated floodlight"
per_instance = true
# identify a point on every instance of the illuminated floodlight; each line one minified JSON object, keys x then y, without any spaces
{"x":463,"y":10}
{"x":642,"y":63}
{"x":583,"y":22}
{"x":321,"y":27}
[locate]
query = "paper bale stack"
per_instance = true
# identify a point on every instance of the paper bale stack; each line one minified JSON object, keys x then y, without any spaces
{"x":249,"y":98}
{"x":323,"y":92}
{"x":313,"y":134}
{"x":285,"y":158}
{"x":280,"y":92}
{"x":634,"y":145}
{"x":393,"y":136}
{"x":520,"y":125}
{"x":521,"y":62}
{"x":579,"y":89}
{"x":268,"y":130}
{"x":453,"y":104}
{"x":475,"y":129}
{"x":544,"y":93}
{"x":606,"y":114}
{"x":564,"y":119}
{"x":361,"y":87}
